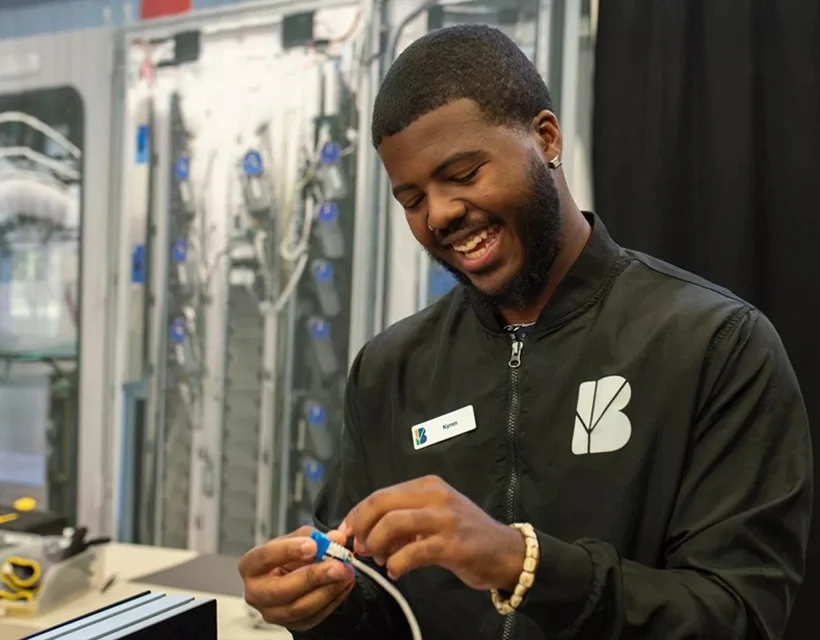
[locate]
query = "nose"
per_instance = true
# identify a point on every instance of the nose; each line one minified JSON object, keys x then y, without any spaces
{"x":443,"y":212}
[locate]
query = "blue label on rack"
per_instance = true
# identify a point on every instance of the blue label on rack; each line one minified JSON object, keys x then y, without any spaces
{"x":331,"y":152}
{"x":252,"y":164}
{"x":177,"y":332}
{"x":315,"y":414}
{"x":320,"y":329}
{"x":143,"y":144}
{"x":322,"y":270}
{"x":314,"y":471}
{"x":138,"y":264}
{"x":179,"y":252}
{"x":182,"y":168}
{"x":328,"y":212}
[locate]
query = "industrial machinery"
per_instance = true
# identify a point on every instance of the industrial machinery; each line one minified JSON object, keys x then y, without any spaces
{"x":53,"y":200}
{"x":240,"y":148}
{"x":40,"y":573}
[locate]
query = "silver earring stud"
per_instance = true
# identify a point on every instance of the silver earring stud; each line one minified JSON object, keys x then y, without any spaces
{"x":555,"y":162}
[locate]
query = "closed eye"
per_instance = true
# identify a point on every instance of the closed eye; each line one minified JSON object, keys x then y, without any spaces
{"x":467,"y":177}
{"x":412,"y":205}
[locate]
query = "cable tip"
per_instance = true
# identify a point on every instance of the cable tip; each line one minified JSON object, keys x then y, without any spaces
{"x":322,"y":544}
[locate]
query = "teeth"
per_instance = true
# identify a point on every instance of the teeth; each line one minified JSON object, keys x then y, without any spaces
{"x":475,"y":255}
{"x":471,"y":242}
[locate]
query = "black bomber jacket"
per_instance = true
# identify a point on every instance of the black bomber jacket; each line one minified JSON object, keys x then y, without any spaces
{"x":650,"y":417}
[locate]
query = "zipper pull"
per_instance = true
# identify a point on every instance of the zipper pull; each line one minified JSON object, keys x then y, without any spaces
{"x":515,"y":356}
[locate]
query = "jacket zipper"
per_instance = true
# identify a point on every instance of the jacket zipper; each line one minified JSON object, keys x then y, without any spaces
{"x":514,"y":365}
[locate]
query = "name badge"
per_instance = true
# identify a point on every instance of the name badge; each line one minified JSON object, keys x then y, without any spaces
{"x":443,"y":428}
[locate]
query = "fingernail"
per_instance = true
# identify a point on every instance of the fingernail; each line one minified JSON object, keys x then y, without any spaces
{"x":344,"y":529}
{"x":308,"y":550}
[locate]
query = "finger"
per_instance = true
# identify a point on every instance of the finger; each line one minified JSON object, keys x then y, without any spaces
{"x":302,"y":532}
{"x":276,"y":553}
{"x":334,"y":536}
{"x":348,"y":587}
{"x":337,"y":536}
{"x":346,"y":526}
{"x":284,"y":590}
{"x":422,"y":553}
{"x":311,"y":609}
{"x":397,"y":528}
{"x":369,"y":511}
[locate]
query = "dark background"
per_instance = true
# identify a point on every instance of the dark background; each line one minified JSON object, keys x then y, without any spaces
{"x":707,"y":154}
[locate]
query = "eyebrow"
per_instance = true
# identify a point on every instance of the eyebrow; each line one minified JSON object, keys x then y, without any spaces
{"x":447,"y":162}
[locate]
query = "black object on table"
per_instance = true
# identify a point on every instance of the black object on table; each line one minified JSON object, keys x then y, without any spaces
{"x":148,"y":616}
{"x":41,"y":523}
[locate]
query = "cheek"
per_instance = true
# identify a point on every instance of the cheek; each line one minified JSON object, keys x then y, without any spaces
{"x":502,"y":195}
{"x":418,"y":227}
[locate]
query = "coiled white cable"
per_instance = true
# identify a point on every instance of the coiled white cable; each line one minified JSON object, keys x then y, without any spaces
{"x":328,"y":549}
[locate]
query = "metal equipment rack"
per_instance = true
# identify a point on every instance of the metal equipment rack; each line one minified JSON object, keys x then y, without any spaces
{"x":322,"y":326}
{"x":181,"y":372}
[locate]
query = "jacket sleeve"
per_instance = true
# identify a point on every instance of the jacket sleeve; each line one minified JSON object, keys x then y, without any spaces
{"x":737,"y":538}
{"x":367,"y":612}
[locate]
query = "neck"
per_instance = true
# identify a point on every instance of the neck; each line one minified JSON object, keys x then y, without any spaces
{"x":576,"y":234}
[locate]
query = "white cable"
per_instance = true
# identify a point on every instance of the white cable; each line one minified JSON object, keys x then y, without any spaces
{"x":289,"y":250}
{"x":338,"y":552}
{"x":290,"y":287}
{"x":261,"y":257}
{"x":42,"y":127}
{"x":39,"y":158}
{"x":36,"y":198}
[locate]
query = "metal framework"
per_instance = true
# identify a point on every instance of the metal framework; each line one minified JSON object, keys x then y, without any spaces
{"x":231,"y":406}
{"x":48,"y":63}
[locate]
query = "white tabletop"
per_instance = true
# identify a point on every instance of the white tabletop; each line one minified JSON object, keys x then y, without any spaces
{"x":126,"y":561}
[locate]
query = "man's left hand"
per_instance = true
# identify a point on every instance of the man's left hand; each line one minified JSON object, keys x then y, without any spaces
{"x":426,"y":522}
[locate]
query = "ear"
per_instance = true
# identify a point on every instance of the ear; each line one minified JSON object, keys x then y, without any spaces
{"x":545,"y":126}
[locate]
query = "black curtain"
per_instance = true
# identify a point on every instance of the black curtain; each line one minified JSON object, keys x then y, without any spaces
{"x":707,"y":154}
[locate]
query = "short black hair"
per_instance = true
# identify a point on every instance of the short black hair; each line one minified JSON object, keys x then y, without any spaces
{"x":465,"y":61}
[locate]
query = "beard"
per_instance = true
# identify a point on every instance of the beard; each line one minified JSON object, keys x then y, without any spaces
{"x":537,"y":222}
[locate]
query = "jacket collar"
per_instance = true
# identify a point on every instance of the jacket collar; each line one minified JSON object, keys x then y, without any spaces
{"x":586,"y":282}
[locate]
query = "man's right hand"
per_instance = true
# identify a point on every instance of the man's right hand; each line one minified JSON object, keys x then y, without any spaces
{"x":287,"y":587}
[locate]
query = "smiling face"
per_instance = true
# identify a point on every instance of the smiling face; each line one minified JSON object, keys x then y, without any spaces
{"x":480,"y":198}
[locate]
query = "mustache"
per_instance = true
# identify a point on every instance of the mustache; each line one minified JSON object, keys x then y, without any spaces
{"x":467,"y":223}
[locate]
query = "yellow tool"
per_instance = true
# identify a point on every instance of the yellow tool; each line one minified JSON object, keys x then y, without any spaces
{"x":25,"y":504}
{"x":21,"y":574}
{"x":28,"y":596}
{"x":8,"y":517}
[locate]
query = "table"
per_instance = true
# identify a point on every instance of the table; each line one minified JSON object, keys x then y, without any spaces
{"x":127,"y":562}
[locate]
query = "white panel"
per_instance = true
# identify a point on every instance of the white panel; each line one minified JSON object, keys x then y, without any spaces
{"x":84,"y":60}
{"x":405,"y":255}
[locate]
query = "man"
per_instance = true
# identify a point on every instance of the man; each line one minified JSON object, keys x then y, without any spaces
{"x":642,"y":426}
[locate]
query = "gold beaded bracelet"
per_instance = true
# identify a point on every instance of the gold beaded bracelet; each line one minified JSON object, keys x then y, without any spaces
{"x":527,"y":577}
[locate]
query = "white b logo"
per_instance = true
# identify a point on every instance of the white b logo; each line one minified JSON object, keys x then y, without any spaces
{"x":600,"y":424}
